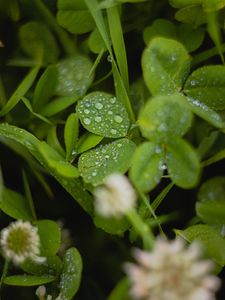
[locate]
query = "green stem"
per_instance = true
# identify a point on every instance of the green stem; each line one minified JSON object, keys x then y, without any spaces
{"x":141,"y":228}
{"x":215,"y":158}
{"x":158,"y":200}
{"x":205,"y":55}
{"x":146,"y":202}
{"x":66,"y":42}
{"x":4,"y":272}
{"x":96,"y":63}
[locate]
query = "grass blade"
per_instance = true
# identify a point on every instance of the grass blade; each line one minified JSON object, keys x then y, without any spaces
{"x":20,"y":91}
{"x":116,"y":33}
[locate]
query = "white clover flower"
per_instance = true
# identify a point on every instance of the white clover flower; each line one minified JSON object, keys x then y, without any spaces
{"x":19,"y":241}
{"x":172,"y":272}
{"x":116,"y":197}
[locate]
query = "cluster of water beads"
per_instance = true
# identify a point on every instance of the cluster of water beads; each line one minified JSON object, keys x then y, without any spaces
{"x":104,"y":115}
{"x":73,"y":76}
{"x":103,"y":160}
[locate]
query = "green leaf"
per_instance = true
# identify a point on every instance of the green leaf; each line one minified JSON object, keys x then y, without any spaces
{"x":50,"y":236}
{"x":214,"y":30}
{"x":95,"y":42}
{"x":212,"y":241}
{"x":182,"y":163}
{"x":95,"y":165}
{"x":111,"y":225}
{"x":71,"y":185}
{"x":164,"y":117}
{"x":190,"y":36}
{"x":147,"y":166}
{"x":45,"y":88}
{"x":74,"y":16}
{"x":165,"y":65}
{"x":71,"y":132}
{"x":205,"y":112}
{"x":36,"y":38}
{"x":211,"y":212}
{"x":73,"y":76}
{"x":28,"y":280}
{"x":160,"y":27}
{"x":14,"y":205}
{"x":212,"y":5}
{"x":207,"y":85}
{"x":56,"y":162}
{"x":212,"y":189}
{"x":211,"y":201}
{"x":21,"y":90}
{"x":29,"y":107}
{"x":104,"y":115}
{"x":71,"y":274}
{"x":53,"y":141}
{"x":183,"y":3}
{"x":51,"y":266}
{"x":138,"y":94}
{"x":121,"y":291}
{"x":192,"y":15}
{"x":88,"y":141}
{"x":58,"y":105}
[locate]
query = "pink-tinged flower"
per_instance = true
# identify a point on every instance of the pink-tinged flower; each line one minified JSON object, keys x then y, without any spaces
{"x":172,"y":272}
{"x":116,"y":197}
{"x":19,"y":241}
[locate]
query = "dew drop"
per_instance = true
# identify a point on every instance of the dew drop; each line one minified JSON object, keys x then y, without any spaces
{"x":86,"y":111}
{"x":113,"y":131}
{"x":113,"y":100}
{"x":98,"y":119}
{"x":118,"y":119}
{"x":173,"y":58}
{"x":110,"y":112}
{"x":99,"y":105}
{"x":162,"y":166}
{"x":158,"y":149}
{"x":109,"y":58}
{"x":87,"y":121}
{"x":94,"y":174}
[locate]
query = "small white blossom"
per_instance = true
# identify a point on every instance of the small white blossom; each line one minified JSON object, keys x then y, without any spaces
{"x":172,"y":272}
{"x":41,"y":291}
{"x":19,"y":241}
{"x":116,"y":197}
